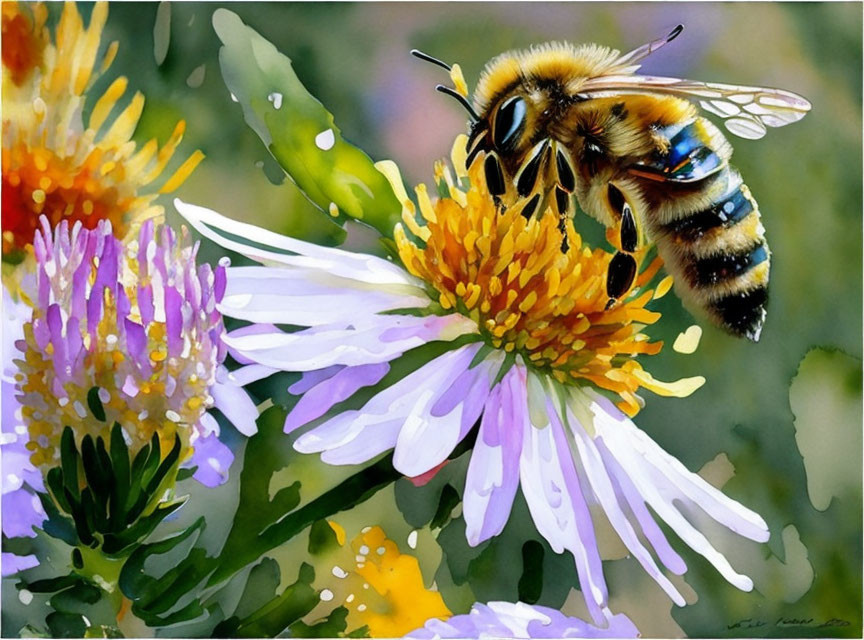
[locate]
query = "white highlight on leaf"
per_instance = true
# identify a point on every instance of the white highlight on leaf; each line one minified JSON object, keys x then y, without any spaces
{"x":325,"y":140}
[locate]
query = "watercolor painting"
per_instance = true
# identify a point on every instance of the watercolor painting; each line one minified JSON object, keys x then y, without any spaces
{"x":431,"y":320}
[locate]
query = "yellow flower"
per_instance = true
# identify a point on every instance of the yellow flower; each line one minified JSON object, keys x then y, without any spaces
{"x":384,"y":589}
{"x":509,"y":275}
{"x":55,"y":164}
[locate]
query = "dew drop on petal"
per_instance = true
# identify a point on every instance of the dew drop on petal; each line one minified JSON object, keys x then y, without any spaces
{"x":326,"y":595}
{"x":276,"y":99}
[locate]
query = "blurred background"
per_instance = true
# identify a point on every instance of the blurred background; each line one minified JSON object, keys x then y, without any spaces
{"x":778,"y":423}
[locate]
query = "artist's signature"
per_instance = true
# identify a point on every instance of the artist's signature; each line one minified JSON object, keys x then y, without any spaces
{"x":783,"y":621}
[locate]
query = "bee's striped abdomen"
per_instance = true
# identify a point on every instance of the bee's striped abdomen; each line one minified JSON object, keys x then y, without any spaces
{"x":719,"y":255}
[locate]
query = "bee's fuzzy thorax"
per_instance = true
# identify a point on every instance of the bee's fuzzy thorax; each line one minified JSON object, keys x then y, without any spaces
{"x":560,"y":61}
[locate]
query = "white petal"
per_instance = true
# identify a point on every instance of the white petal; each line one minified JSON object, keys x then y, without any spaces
{"x":555,"y":499}
{"x":659,"y":493}
{"x":598,"y":477}
{"x":237,"y":406}
{"x":369,"y":339}
{"x":405,"y":401}
{"x":349,"y":264}
{"x":493,"y":472}
{"x":309,"y":297}
{"x":444,"y":413}
{"x":723,"y":509}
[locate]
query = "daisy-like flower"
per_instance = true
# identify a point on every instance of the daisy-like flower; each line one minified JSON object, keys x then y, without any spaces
{"x":139,"y":322}
{"x":520,"y":620}
{"x":517,"y":336}
{"x":54,"y":163}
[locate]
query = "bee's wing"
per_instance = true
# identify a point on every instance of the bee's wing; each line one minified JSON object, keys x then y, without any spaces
{"x":746,"y":111}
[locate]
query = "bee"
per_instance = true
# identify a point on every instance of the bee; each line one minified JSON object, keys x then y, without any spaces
{"x":559,"y":120}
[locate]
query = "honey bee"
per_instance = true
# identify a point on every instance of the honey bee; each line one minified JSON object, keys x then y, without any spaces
{"x":560,"y":120}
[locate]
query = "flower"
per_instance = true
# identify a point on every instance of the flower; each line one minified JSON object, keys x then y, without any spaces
{"x":515,"y":334}
{"x":520,"y":620}
{"x":55,"y":164}
{"x":21,"y":508}
{"x":139,"y":322}
{"x":382,"y":588}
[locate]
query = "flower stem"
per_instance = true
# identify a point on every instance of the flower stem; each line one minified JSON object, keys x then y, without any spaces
{"x":349,"y":493}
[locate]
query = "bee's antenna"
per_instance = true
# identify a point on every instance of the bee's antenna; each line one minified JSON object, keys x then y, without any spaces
{"x":675,"y":33}
{"x":425,"y":56}
{"x":462,"y":100}
{"x":637,"y":55}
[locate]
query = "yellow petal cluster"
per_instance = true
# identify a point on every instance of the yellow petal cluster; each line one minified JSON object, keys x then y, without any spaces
{"x":56,"y":164}
{"x":508,"y":273}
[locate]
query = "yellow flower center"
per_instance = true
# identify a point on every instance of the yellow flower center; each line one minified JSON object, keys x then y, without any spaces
{"x":509,"y":274}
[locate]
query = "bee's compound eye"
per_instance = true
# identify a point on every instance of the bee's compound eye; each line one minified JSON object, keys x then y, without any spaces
{"x":509,"y":122}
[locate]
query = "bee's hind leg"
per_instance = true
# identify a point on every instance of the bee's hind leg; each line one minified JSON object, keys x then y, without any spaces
{"x":622,"y":267}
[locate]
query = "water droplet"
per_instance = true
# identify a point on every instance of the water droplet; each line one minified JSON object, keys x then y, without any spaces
{"x":325,"y":140}
{"x":326,"y":595}
{"x":339,"y":572}
{"x":162,"y":32}
{"x":276,"y":99}
{"x":196,"y":78}
{"x":412,"y":539}
{"x":25,"y":597}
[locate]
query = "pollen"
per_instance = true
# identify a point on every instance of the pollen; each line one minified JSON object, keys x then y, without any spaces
{"x":528,"y":296}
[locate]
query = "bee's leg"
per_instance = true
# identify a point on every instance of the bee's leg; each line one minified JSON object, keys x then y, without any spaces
{"x":562,"y":200}
{"x":494,"y":174}
{"x":566,"y":185}
{"x":526,"y":177}
{"x":622,"y":267}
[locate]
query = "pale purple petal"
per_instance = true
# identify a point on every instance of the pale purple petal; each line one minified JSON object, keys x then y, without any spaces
{"x":367,"y":339}
{"x":236,"y":405}
{"x":493,"y":473}
{"x":213,"y":460}
{"x":318,"y":400}
{"x":658,"y":491}
{"x":249,"y":374}
{"x":714,"y":502}
{"x":520,"y":620}
{"x":598,"y":478}
{"x":431,"y":431}
{"x":409,"y":401}
{"x":311,"y":379}
{"x":554,"y":496}
{"x":21,"y":512}
{"x":12,"y":564}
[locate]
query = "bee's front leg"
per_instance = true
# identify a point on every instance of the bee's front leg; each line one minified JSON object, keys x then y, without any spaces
{"x":622,"y":267}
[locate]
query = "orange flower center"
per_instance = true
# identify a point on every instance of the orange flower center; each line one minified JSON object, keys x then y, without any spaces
{"x":23,"y":45}
{"x":509,"y":274}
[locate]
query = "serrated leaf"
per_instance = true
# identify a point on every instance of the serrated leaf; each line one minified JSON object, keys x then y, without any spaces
{"x":299,"y":131}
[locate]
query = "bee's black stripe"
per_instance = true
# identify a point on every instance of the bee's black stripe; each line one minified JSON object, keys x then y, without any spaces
{"x":744,"y":312}
{"x":726,"y":212}
{"x":717,"y":269}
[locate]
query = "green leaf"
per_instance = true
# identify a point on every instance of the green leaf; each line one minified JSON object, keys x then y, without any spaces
{"x":76,"y":599}
{"x":299,"y":131}
{"x":448,"y":501}
{"x":95,"y":404}
{"x":262,"y":524}
{"x":66,"y":625}
{"x":276,"y":615}
{"x":333,"y":626}
{"x":531,"y":582}
{"x":322,"y":538}
{"x":69,"y":461}
{"x":133,"y":581}
{"x":260,"y":586}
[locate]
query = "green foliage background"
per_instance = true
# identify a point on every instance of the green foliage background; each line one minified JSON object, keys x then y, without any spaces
{"x":774,"y":422}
